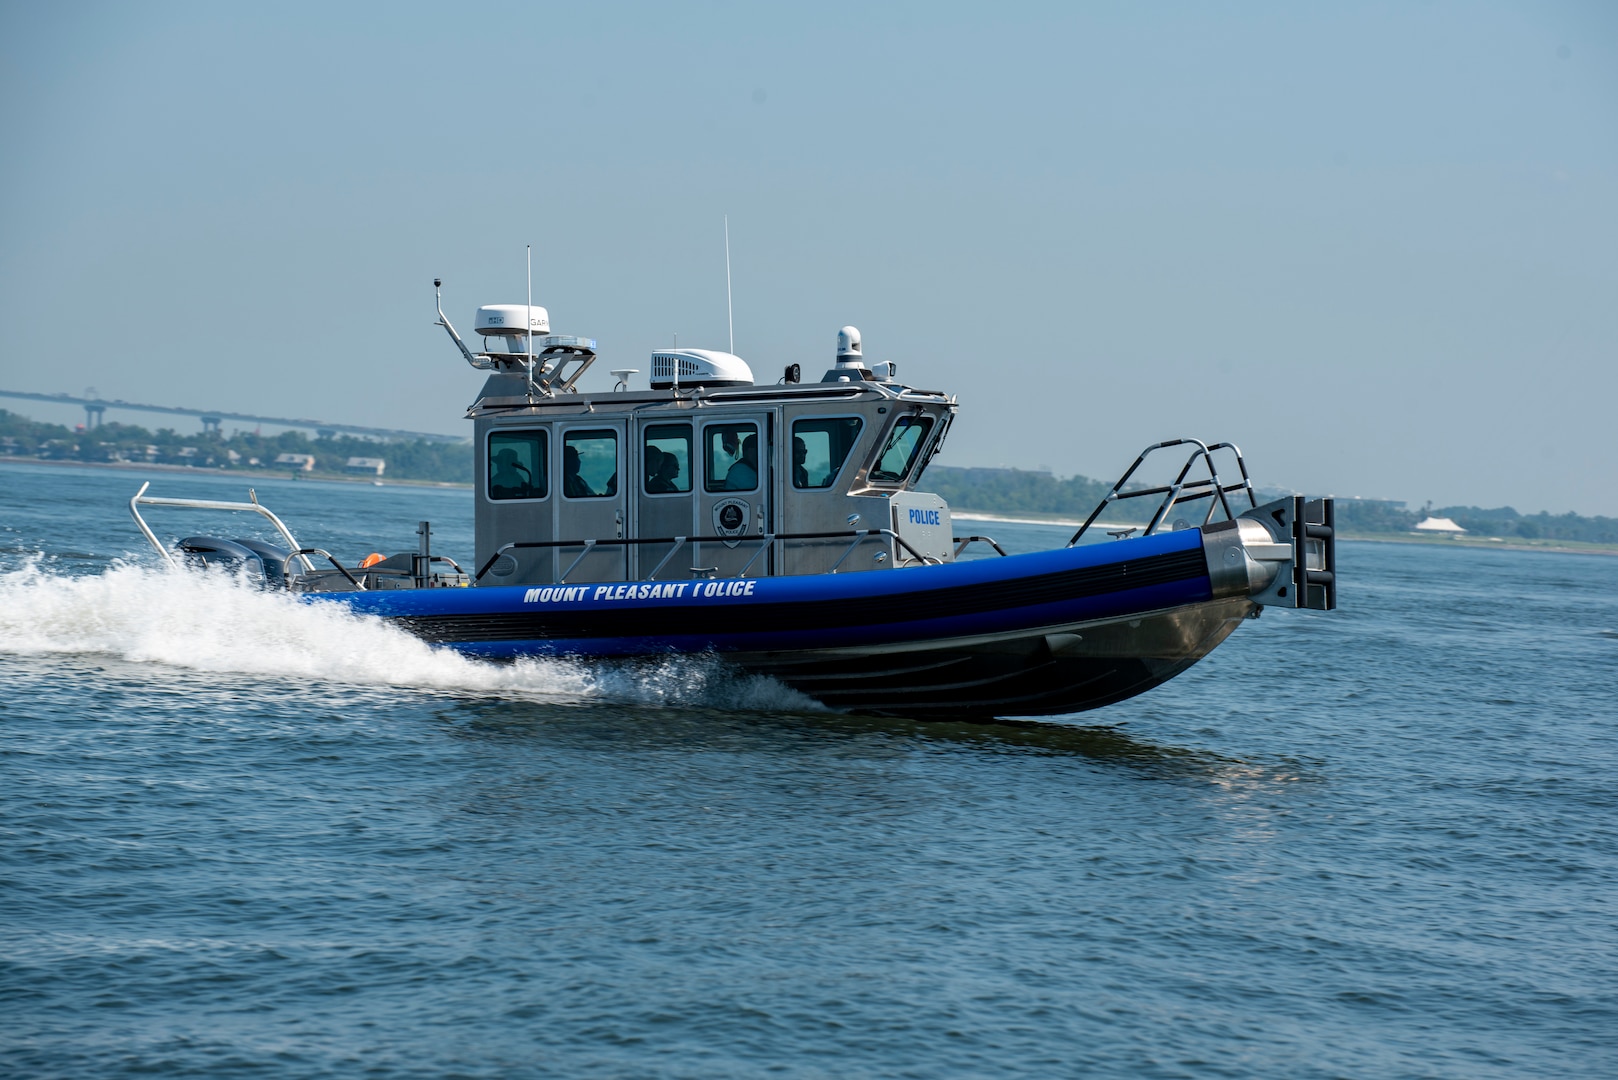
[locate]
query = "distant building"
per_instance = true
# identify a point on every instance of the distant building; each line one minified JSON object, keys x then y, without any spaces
{"x":304,"y":462}
{"x":1438,"y":525}
{"x":372,"y":465}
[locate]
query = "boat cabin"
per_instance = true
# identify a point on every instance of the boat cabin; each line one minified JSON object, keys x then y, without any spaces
{"x":703,"y":474}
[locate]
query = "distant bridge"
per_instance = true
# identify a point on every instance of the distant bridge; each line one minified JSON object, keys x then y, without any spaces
{"x":94,"y":408}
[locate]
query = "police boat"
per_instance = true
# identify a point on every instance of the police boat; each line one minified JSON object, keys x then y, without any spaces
{"x":781,"y":528}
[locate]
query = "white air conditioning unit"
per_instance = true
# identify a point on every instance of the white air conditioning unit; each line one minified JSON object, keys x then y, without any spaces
{"x":698,"y":367}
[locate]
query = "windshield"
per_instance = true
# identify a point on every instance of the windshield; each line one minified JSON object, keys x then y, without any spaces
{"x":899,"y":452}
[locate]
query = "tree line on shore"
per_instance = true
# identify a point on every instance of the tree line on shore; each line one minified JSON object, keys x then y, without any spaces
{"x":1014,"y":491}
{"x":248,"y":451}
{"x":989,"y":491}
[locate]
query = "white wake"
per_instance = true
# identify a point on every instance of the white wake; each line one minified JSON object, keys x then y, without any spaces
{"x":212,"y":622}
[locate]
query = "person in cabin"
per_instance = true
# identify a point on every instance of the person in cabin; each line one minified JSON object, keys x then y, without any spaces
{"x":800,"y":454}
{"x":743,"y":475}
{"x":510,"y":480}
{"x":573,"y":485}
{"x":664,"y":480}
{"x":654,"y":459}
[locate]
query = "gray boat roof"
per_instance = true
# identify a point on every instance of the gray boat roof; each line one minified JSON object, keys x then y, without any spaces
{"x":706,"y":397}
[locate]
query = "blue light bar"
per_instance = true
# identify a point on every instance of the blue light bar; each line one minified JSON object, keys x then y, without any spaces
{"x":565,"y":341}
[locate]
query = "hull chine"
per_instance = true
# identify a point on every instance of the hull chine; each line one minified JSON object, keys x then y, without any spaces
{"x":1041,"y":672}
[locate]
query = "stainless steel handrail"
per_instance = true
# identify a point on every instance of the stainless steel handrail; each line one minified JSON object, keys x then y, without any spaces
{"x":679,"y":542}
{"x":964,"y":542}
{"x":589,"y":546}
{"x":1209,"y":487}
{"x":329,"y":557}
{"x":862,"y":534}
{"x":764,"y":540}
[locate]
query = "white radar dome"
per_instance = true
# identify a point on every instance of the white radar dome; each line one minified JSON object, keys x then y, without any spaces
{"x":848,"y":344}
{"x":506,"y":321}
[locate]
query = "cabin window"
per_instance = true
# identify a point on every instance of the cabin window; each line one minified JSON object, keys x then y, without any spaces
{"x":819,"y":448}
{"x":730,"y":454}
{"x":590,"y":464}
{"x":668,"y":459}
{"x":901,"y":449}
{"x":517,"y":465}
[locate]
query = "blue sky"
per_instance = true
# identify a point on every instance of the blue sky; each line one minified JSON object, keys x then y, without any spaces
{"x":1375,"y":244}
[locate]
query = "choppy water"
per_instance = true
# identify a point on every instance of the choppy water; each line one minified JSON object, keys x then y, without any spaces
{"x":240,"y":836}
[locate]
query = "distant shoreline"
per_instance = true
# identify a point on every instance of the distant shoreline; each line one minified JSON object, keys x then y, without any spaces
{"x":1026,"y":518}
{"x":270,"y":474}
{"x":1486,"y":543}
{"x":1562,"y":547}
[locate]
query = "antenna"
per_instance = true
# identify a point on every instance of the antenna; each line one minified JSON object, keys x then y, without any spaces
{"x":530,"y":327}
{"x":730,"y":311}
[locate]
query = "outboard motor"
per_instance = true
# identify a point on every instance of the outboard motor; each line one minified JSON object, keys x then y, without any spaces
{"x":275,"y":561}
{"x":266,"y":562}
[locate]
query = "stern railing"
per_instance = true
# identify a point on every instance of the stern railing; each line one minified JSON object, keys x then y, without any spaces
{"x":142,"y":499}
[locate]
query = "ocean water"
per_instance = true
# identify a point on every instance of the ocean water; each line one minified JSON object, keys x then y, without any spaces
{"x":241,"y":836}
